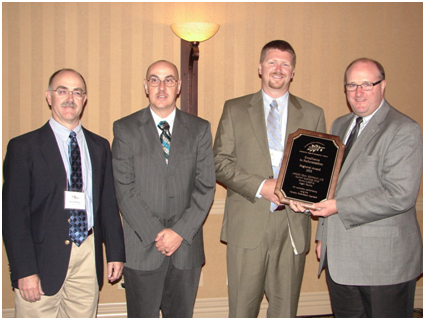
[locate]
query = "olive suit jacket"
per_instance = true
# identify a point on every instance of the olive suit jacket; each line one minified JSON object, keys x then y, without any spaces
{"x":242,"y":162}
{"x":375,"y":237}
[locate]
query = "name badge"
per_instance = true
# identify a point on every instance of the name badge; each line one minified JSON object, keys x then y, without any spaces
{"x":75,"y":200}
{"x":276,"y":157}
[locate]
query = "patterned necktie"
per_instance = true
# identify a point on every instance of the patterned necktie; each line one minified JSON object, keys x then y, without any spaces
{"x":78,"y":220}
{"x":352,"y":138}
{"x":165,"y":139}
{"x":274,"y":136}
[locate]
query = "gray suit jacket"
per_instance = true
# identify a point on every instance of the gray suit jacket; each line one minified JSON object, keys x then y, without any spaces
{"x":152,"y":197}
{"x":242,"y":162}
{"x":375,"y":238}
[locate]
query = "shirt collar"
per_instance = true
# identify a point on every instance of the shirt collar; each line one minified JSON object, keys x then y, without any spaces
{"x":170,"y":119}
{"x":367,"y":118}
{"x":281,"y":101}
{"x":63,"y":132}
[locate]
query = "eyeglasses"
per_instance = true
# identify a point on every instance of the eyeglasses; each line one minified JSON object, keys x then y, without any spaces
{"x":156,"y":82}
{"x":366,"y":86}
{"x":63,"y":92}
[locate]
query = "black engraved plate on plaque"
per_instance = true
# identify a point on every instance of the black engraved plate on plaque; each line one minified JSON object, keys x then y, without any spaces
{"x":310,"y":167}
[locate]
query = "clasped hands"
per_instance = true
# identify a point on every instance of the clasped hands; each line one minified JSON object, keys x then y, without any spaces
{"x":167,"y":242}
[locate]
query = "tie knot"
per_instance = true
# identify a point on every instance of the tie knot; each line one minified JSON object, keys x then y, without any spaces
{"x":72,"y":135}
{"x":274,"y":104}
{"x":359,"y":120}
{"x":163,"y":125}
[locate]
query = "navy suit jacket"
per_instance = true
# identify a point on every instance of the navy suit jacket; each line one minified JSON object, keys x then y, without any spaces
{"x":35,"y":223}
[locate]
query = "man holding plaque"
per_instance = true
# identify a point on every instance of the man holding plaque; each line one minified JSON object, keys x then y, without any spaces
{"x":266,"y":243}
{"x":368,"y":236}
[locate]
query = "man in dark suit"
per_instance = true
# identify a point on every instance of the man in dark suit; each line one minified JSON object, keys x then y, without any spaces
{"x":266,"y":243}
{"x":56,"y":263}
{"x":164,"y":179}
{"x":368,"y":236}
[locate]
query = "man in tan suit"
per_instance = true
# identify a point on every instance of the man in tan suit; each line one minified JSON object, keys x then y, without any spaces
{"x":266,"y":243}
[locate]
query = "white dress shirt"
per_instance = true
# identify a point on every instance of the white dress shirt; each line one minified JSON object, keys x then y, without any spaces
{"x":62,"y":138}
{"x":283,"y":113}
{"x":170,"y":119}
{"x":362,"y":125}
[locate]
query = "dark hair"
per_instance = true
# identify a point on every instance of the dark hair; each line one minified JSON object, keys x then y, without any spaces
{"x":280,"y":45}
{"x":65,"y":69}
{"x":376,"y":63}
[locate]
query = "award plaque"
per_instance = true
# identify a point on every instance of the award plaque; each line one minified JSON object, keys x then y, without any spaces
{"x":310,"y":168}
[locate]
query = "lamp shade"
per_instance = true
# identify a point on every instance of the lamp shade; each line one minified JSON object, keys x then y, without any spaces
{"x":195,"y":31}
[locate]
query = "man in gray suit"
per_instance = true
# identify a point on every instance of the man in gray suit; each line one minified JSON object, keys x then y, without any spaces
{"x":165,"y":181}
{"x":266,"y":243}
{"x":368,"y":236}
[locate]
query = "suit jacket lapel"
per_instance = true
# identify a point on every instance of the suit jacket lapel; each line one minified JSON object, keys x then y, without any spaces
{"x":180,"y":136}
{"x":95,"y":158}
{"x":295,"y":116}
{"x":258,"y":123}
{"x":258,"y":120}
{"x":50,"y":151}
{"x":150,"y":137}
{"x":363,"y":139}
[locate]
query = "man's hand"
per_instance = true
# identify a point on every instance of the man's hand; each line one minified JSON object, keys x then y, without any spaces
{"x":167,"y":242}
{"x":297,"y":207}
{"x":115,"y":271}
{"x":318,"y":248}
{"x":320,"y":209}
{"x":30,"y":288}
{"x":324,"y":209}
{"x":267,"y":191}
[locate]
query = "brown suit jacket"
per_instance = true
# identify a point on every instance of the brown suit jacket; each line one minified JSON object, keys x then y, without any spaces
{"x":242,"y":162}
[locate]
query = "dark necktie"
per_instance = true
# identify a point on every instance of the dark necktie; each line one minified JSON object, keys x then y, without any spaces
{"x":165,"y":139}
{"x":352,"y":138}
{"x":78,"y":220}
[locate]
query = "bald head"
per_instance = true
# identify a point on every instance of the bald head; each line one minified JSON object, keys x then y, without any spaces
{"x":164,"y":63}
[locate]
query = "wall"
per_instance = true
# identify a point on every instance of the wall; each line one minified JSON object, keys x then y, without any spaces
{"x":112,"y":44}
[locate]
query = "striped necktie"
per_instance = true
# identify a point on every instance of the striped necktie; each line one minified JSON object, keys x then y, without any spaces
{"x":78,"y":230}
{"x":274,"y":136}
{"x":274,"y":133}
{"x":165,"y":139}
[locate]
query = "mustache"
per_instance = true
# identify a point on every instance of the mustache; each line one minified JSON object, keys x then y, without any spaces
{"x":277,"y":74}
{"x":69,"y":104}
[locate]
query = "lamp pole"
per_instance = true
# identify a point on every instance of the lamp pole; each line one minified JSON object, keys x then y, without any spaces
{"x":189,"y":77}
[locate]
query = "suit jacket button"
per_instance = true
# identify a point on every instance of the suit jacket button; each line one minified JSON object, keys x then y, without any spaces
{"x":67,"y":242}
